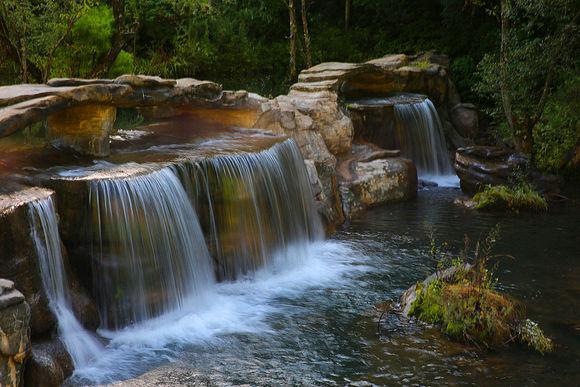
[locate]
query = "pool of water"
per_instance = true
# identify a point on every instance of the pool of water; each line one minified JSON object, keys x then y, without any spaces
{"x":311,"y":318}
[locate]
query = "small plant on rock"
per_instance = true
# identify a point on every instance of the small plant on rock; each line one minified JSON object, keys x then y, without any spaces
{"x":463,"y":301}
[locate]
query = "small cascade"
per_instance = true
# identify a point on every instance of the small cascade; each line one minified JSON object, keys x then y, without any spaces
{"x":149,"y":253}
{"x":252,"y":206}
{"x":82,"y":347}
{"x":422,"y":139}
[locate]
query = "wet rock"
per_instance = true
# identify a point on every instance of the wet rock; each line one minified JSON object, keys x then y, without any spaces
{"x":14,"y":334}
{"x":49,"y":364}
{"x":18,"y":257}
{"x":465,"y":119}
{"x":478,"y":166}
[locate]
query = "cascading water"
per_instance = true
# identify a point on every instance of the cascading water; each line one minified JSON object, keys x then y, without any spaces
{"x":80,"y":344}
{"x":253,"y":205}
{"x":408,"y":122}
{"x":422,"y":138}
{"x":149,"y":253}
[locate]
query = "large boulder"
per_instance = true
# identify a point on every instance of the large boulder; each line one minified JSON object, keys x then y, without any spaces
{"x":14,"y":334}
{"x":371,"y":177}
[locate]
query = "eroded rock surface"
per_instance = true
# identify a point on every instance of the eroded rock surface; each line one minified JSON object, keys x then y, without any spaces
{"x":14,"y":334}
{"x":373,"y":176}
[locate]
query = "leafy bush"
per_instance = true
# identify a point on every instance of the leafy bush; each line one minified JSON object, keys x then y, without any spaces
{"x":124,"y":64}
{"x":501,"y":197}
{"x":559,"y":130}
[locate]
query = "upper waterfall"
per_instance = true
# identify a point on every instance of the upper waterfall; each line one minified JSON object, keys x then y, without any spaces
{"x":253,"y":205}
{"x":423,"y":139}
{"x":82,"y":347}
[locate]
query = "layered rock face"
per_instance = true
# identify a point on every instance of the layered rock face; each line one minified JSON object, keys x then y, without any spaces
{"x":14,"y":334}
{"x":18,"y":257}
{"x":478,"y":166}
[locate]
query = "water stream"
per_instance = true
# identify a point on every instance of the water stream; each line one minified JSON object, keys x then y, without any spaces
{"x":314,"y":323}
{"x":82,"y":347}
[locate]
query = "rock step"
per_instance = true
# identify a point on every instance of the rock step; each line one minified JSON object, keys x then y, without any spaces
{"x":322,"y":76}
{"x":332,"y":66}
{"x":313,"y":86}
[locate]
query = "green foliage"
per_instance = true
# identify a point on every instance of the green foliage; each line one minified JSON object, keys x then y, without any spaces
{"x":517,"y":198}
{"x":422,"y":64}
{"x":124,"y":64}
{"x":531,"y":334}
{"x":559,"y":129}
{"x":539,"y":42}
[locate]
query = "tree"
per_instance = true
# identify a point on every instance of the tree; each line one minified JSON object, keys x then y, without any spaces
{"x":293,"y":42}
{"x":32,"y":32}
{"x":538,"y":41}
{"x":307,"y":49}
{"x":347,"y":7}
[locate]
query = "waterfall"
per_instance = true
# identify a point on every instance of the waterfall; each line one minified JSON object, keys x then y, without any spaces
{"x":149,"y":254}
{"x":422,"y":138}
{"x":253,"y":206}
{"x":80,"y":344}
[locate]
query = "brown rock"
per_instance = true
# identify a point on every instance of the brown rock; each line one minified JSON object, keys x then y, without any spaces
{"x":49,"y":364}
{"x":18,"y":257}
{"x":465,"y":119}
{"x":14,"y":334}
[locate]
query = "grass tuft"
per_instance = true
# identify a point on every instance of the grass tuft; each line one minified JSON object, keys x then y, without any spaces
{"x":518,"y":198}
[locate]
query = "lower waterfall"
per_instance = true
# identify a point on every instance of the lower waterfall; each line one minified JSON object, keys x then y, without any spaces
{"x":149,"y":254}
{"x":82,"y":347}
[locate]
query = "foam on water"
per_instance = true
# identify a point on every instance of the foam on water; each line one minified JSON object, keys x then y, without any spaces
{"x":230,"y":308}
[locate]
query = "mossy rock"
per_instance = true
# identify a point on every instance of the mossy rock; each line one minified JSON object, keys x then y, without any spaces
{"x":473,"y":314}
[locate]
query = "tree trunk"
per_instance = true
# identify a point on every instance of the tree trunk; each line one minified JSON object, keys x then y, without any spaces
{"x":307,"y":49}
{"x":503,"y":63}
{"x":119,"y":36}
{"x":293,"y":33}
{"x":347,"y":6}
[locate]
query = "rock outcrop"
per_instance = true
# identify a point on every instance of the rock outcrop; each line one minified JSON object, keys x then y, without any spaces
{"x":372,"y":176}
{"x":14,"y":334}
{"x":18,"y":257}
{"x":478,"y":166}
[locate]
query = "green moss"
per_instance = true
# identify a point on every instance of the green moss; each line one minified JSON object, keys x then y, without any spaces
{"x":467,"y":313}
{"x":422,"y":64}
{"x":520,"y":197}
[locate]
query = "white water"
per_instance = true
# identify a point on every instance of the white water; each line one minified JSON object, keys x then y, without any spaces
{"x":82,"y":347}
{"x":424,"y":142}
{"x":149,"y":253}
{"x":255,"y":206}
{"x":230,"y":308}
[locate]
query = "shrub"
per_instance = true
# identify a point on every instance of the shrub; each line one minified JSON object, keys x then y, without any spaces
{"x":517,"y":198}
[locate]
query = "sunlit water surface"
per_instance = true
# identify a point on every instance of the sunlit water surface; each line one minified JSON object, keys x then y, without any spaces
{"x":310,"y":318}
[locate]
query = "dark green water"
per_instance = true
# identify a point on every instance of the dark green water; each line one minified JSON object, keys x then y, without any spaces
{"x":318,"y":326}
